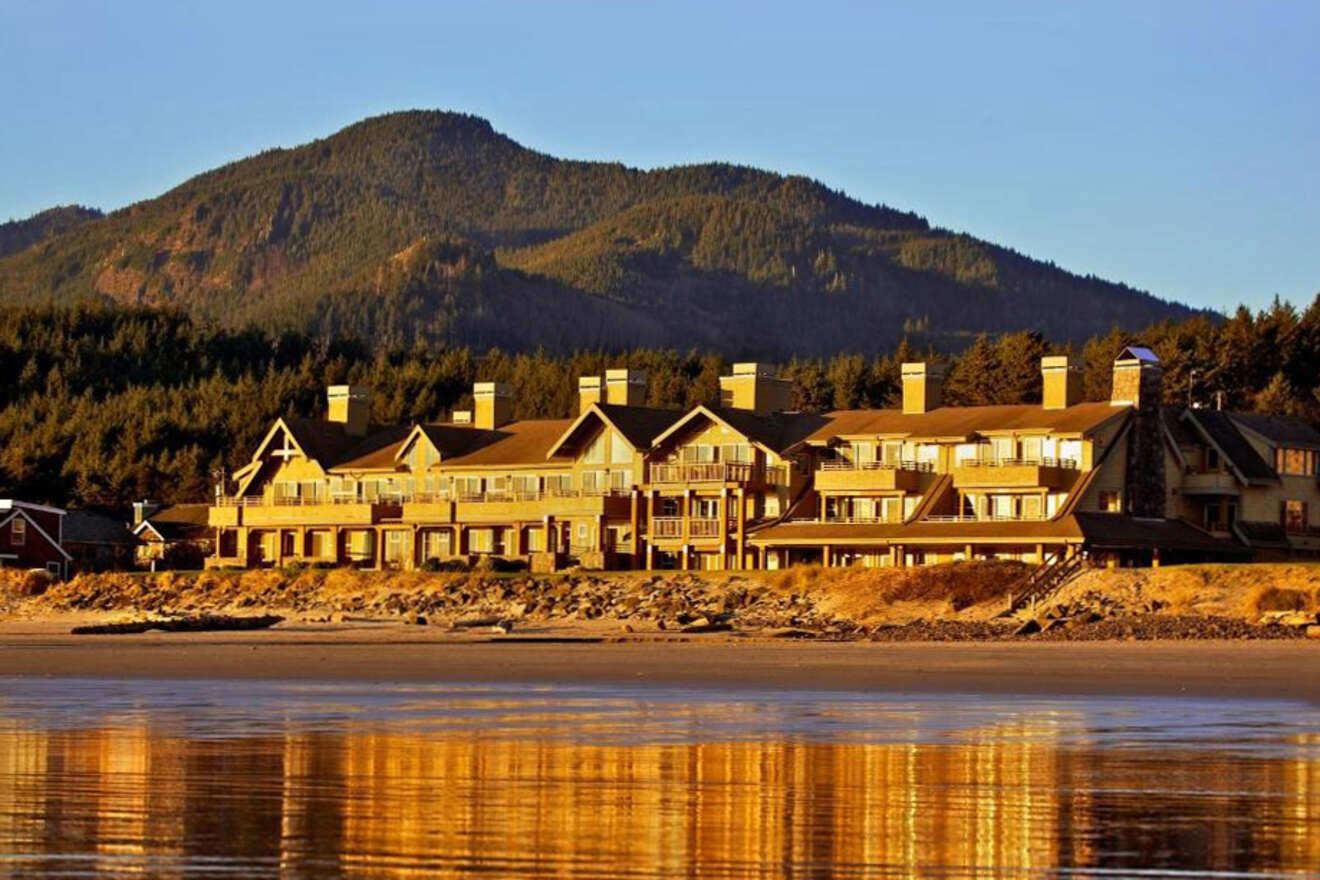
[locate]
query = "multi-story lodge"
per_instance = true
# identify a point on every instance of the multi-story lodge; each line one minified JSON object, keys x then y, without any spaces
{"x":748,"y":484}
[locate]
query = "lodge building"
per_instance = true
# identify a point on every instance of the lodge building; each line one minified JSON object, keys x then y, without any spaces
{"x":750,"y":484}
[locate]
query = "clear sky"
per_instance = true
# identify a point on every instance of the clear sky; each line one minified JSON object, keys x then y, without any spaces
{"x":1173,"y":146}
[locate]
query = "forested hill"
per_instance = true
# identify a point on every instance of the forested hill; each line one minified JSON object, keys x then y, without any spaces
{"x":431,"y":226}
{"x":19,"y":234}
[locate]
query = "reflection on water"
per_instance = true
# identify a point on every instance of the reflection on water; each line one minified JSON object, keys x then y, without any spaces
{"x":239,"y":779}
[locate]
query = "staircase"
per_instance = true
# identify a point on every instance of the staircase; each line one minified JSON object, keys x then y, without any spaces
{"x":1044,"y":582}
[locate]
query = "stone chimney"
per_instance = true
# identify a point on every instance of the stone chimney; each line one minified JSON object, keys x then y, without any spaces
{"x":589,"y":392}
{"x":350,"y":406}
{"x":755,"y":387}
{"x":1138,"y":383}
{"x":492,"y":405}
{"x":625,"y":387}
{"x":1061,"y":383}
{"x":923,"y":387}
{"x":1138,"y":378}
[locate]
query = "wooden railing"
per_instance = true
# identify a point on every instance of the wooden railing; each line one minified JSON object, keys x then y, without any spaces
{"x":841,"y":464}
{"x":716,"y":472}
{"x":666,"y":527}
{"x":1065,"y":463}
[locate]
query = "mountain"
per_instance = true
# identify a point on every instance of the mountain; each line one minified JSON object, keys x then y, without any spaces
{"x":19,"y":234}
{"x":432,"y":227}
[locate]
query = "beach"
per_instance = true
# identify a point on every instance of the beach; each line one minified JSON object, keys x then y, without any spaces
{"x":394,"y":653}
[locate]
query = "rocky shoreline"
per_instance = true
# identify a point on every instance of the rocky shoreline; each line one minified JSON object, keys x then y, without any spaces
{"x":961,"y":602}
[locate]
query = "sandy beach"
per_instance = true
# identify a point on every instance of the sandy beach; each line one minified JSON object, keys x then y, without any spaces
{"x":389,"y":652}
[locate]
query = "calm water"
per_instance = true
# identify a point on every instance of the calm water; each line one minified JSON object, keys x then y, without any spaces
{"x":211,"y":779}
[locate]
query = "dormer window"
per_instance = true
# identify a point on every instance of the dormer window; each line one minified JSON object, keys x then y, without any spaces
{"x":18,"y":532}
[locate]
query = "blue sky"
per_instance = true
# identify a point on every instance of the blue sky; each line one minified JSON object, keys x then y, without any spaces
{"x":1172,"y":146}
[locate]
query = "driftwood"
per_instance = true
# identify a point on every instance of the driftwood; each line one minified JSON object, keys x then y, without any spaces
{"x":200,"y":623}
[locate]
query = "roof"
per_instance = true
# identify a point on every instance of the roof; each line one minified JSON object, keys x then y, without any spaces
{"x":1179,"y":430}
{"x":177,"y":523}
{"x":1284,"y":430}
{"x":639,"y":425}
{"x":1114,"y":531}
{"x":778,"y":432}
{"x":1219,"y":429}
{"x":1262,"y":534}
{"x":452,"y":440}
{"x":1137,"y":353}
{"x":95,"y":527}
{"x":13,"y":504}
{"x":526,"y":442}
{"x":1109,"y":530}
{"x":965,"y":421}
{"x":925,"y":532}
{"x":377,"y":451}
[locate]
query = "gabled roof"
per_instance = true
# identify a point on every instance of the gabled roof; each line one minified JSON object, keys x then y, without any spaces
{"x":376,"y":451}
{"x":1218,"y":430}
{"x":521,"y":443}
{"x":775,"y":433}
{"x":19,"y":512}
{"x":95,"y":527}
{"x":1283,"y":430}
{"x":965,"y":421}
{"x":638,"y":425}
{"x":177,"y":523}
{"x":449,"y":440}
{"x":1137,"y":353}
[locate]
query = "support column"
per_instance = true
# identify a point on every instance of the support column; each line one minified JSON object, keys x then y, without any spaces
{"x":1040,"y":554}
{"x":825,"y":554}
{"x":684,"y":557}
{"x":634,"y":526}
{"x":968,"y":551}
{"x":378,"y":548}
{"x":302,"y":542}
{"x":410,"y":552}
{"x":686,"y":511}
{"x":724,"y":526}
{"x":516,"y":545}
{"x":741,"y":542}
{"x":241,"y":545}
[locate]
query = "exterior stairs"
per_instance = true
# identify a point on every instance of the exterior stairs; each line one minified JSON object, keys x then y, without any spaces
{"x":1044,"y":582}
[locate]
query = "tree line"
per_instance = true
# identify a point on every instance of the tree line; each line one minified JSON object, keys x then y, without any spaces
{"x":103,"y":405}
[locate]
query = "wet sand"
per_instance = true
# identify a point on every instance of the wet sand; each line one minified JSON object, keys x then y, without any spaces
{"x":1232,"y":669}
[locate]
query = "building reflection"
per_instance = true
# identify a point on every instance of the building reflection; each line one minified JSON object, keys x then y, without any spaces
{"x":1008,"y":800}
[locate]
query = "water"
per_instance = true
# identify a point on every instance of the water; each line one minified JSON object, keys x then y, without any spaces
{"x":240,"y":779}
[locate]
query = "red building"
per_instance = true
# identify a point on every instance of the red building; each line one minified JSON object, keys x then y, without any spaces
{"x":31,"y":536}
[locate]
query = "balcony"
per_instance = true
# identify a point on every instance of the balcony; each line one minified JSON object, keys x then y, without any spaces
{"x":300,"y":511}
{"x":717,"y":472}
{"x":509,"y":505}
{"x":1209,"y":483}
{"x":671,"y":528}
{"x":1045,"y":473}
{"x":863,"y":475}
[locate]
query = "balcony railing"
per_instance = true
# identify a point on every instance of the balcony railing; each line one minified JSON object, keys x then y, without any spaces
{"x":716,"y":472}
{"x":1064,"y":463}
{"x":395,"y":498}
{"x":841,"y":464}
{"x":989,"y":517}
{"x":666,"y":527}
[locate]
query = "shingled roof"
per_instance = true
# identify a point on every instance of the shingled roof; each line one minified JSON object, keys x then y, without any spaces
{"x":1218,"y":428}
{"x":965,"y":421}
{"x":1284,"y":430}
{"x":526,"y":442}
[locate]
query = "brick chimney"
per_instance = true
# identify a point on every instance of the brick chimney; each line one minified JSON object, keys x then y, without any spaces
{"x":350,"y":406}
{"x":492,"y":405}
{"x":923,"y":387}
{"x":1061,"y":383}
{"x":755,"y":387}
{"x":589,"y":392}
{"x":625,"y":387}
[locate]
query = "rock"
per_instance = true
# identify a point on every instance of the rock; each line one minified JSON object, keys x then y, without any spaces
{"x":702,"y":625}
{"x":417,"y":619}
{"x":789,"y":632}
{"x":1313,"y":631}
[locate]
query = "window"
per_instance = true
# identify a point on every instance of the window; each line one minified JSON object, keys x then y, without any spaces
{"x":595,"y":453}
{"x":1295,"y":462}
{"x":435,"y":544}
{"x":1109,"y":501}
{"x":893,"y":508}
{"x":619,"y":480}
{"x":669,"y":507}
{"x":1293,"y":514}
{"x":526,"y":486}
{"x":620,"y":453}
{"x":53,"y":568}
{"x":558,"y":484}
{"x":1001,"y":448}
{"x":1031,"y":448}
{"x":1031,"y":507}
{"x":593,"y":481}
{"x":18,"y":532}
{"x":893,"y":452}
{"x":480,"y":540}
{"x":467,"y":487}
{"x":737,"y":453}
{"x":1211,"y":459}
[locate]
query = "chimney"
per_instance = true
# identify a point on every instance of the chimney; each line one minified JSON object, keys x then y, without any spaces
{"x":625,"y":387}
{"x":492,"y":405}
{"x":1061,"y":383}
{"x":1138,"y":379}
{"x":142,"y":510}
{"x":923,"y":387}
{"x":755,"y":387}
{"x":461,"y":417}
{"x":350,"y":406}
{"x":588,"y":392}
